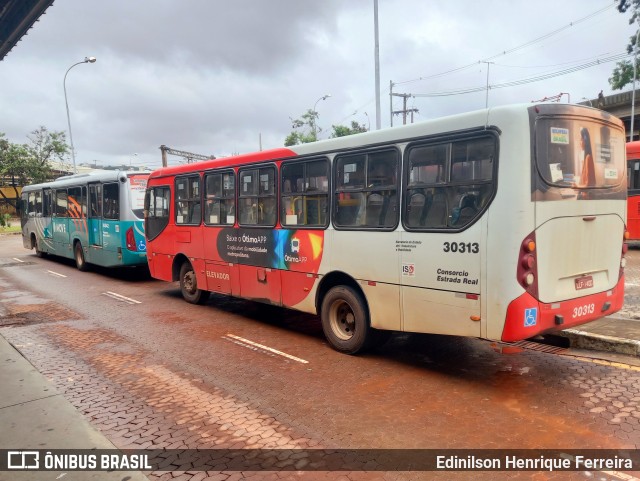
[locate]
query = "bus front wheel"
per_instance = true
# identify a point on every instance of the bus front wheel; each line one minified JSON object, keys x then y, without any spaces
{"x":345,"y":320}
{"x":189,"y":286}
{"x":34,"y":245}
{"x":81,"y":264}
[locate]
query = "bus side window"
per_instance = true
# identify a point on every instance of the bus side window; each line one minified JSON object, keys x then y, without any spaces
{"x":188,"y":210}
{"x":47,"y":203}
{"x":61,"y":203}
{"x":95,"y":200}
{"x":449,"y":184}
{"x":366,"y":189}
{"x":257,"y":197}
{"x":111,"y":201}
{"x":305,"y":193}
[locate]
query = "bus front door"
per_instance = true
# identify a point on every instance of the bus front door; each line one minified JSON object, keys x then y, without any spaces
{"x":95,"y":215}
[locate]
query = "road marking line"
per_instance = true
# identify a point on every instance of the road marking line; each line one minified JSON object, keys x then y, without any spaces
{"x":121,"y":298}
{"x":247,"y":343}
{"x":56,"y":274}
{"x":16,"y":259}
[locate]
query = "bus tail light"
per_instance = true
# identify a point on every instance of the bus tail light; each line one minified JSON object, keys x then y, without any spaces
{"x":131,"y":240}
{"x":527,"y":265}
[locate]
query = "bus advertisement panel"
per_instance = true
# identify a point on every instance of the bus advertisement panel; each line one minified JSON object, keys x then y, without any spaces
{"x":94,"y":218}
{"x":501,"y":224}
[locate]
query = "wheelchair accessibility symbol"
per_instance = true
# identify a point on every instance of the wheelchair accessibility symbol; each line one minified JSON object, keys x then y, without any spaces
{"x":530,"y":317}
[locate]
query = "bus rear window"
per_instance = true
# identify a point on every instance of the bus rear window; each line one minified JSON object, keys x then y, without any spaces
{"x":579,"y":153}
{"x":137,"y":186}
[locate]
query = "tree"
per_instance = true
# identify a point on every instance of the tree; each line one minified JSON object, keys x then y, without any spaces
{"x":309,"y":125}
{"x":309,"y":133}
{"x":622,"y":74}
{"x":22,"y":164}
{"x":343,"y":130}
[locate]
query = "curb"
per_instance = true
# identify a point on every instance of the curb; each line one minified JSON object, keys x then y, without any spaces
{"x":598,"y":342}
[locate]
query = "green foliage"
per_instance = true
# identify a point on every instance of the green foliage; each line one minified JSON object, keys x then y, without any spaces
{"x":4,"y":220}
{"x":343,"y":130}
{"x":23,"y":164}
{"x":622,"y":74}
{"x":305,"y":129}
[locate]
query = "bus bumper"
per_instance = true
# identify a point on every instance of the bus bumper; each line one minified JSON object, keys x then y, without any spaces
{"x":527,"y":317}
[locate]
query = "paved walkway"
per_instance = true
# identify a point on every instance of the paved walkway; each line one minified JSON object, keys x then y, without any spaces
{"x":619,"y":333}
{"x":34,"y":415}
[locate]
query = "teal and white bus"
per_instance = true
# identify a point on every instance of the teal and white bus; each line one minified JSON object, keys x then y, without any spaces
{"x":94,"y":218}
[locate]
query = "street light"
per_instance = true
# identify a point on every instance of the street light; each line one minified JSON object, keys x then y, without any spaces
{"x":64,"y":86}
{"x":315,"y":129}
{"x":633,"y":95}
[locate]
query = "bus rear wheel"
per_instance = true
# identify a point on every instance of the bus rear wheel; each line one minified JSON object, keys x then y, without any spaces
{"x":345,"y":321}
{"x":189,"y":286}
{"x":81,"y":264}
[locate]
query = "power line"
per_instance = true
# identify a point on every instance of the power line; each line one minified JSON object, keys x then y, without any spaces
{"x":514,"y":83}
{"x":511,"y":50}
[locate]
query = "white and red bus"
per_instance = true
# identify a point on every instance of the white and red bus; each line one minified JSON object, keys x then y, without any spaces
{"x":633,"y":184}
{"x":501,"y":224}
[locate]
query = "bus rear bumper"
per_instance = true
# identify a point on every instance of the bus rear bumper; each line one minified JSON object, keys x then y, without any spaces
{"x":527,"y":317}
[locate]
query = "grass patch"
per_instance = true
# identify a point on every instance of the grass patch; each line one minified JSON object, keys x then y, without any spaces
{"x":10,"y":230}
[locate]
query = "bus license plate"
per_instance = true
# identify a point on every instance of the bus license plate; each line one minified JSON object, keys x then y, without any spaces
{"x":585,"y":282}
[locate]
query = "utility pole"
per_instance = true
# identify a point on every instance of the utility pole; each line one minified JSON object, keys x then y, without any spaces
{"x":486,"y":102}
{"x":377,"y":62}
{"x":391,"y":102}
{"x":404,"y":110}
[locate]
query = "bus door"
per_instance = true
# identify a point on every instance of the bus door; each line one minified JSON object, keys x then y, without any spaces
{"x":60,"y":223}
{"x":111,"y":236}
{"x":48,"y":212}
{"x":95,"y":215}
{"x":448,"y":187}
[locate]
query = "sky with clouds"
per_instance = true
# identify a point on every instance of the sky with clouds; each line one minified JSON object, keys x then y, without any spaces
{"x":224,"y":77}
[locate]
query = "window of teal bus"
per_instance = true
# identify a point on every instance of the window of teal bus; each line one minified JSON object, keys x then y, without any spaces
{"x":75,"y":203}
{"x":111,"y":201}
{"x":47,"y":203}
{"x":220,"y":195}
{"x":35,"y":203}
{"x":305,"y":193}
{"x":95,"y":200}
{"x":61,"y":203}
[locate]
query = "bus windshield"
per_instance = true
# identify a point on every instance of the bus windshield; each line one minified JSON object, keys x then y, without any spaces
{"x":137,"y":186}
{"x":579,"y":152}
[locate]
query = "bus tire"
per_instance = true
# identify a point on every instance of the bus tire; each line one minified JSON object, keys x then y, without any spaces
{"x":189,"y":286}
{"x":345,"y":320}
{"x":78,"y":254}
{"x":34,"y":245}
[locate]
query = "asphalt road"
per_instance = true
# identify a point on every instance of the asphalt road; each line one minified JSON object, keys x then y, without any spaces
{"x":152,"y":371}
